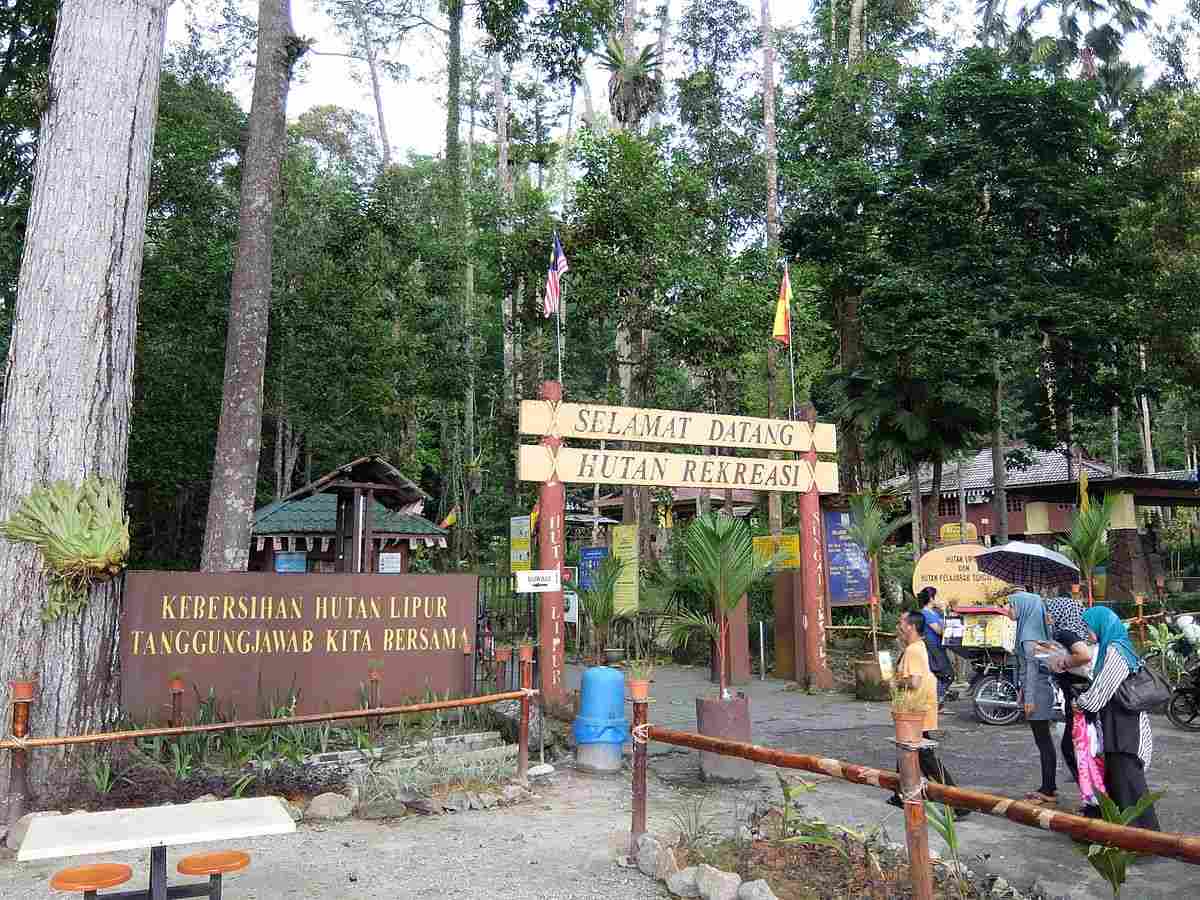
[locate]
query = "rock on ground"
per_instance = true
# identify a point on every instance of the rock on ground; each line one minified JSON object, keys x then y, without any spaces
{"x":329,"y":806}
{"x":667,"y":864}
{"x":16,"y":834}
{"x":756,"y":890}
{"x":510,"y":711}
{"x":683,"y":883}
{"x":648,"y":851}
{"x":714,"y":884}
{"x":383,"y":809}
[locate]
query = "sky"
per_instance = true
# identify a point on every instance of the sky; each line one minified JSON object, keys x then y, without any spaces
{"x":414,"y":109}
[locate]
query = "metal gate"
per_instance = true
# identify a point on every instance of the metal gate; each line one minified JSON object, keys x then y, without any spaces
{"x":503,"y":618}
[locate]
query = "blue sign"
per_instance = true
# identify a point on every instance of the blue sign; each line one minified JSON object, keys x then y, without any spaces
{"x":589,"y":561}
{"x":849,"y":573}
{"x":291,"y":562}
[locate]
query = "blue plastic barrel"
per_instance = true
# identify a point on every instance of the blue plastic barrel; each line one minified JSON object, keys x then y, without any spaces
{"x":601,"y":718}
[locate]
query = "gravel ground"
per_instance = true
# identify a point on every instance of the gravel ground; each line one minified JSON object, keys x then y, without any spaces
{"x":560,"y":846}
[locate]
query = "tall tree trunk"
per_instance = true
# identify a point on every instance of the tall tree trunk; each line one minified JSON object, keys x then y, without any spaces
{"x":239,"y":435}
{"x":999,"y":472}
{"x":854,"y":44}
{"x":774,"y":500}
{"x":850,"y":449}
{"x":504,"y":176}
{"x":368,"y":43}
{"x":468,"y":322}
{"x":915,"y":506}
{"x":625,"y":374}
{"x":935,"y":502}
{"x":69,"y":376}
{"x":664,"y":28}
{"x":1116,"y":439}
{"x":962,"y":503}
{"x":279,"y":439}
{"x":589,"y":104}
{"x":1144,"y":410}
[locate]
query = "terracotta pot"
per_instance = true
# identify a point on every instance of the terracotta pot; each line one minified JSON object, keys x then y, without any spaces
{"x":375,"y":676}
{"x":503,"y":654}
{"x":639,"y":688}
{"x":176,"y":685}
{"x":22,"y":691}
{"x":909,"y":726}
{"x":525,"y":653}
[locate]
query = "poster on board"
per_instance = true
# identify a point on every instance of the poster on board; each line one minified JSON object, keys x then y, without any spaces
{"x":625,"y":548}
{"x":849,"y":573}
{"x":518,"y":544}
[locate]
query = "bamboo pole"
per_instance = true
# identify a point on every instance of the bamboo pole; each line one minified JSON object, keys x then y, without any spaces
{"x":134,"y":734}
{"x":1160,"y":843}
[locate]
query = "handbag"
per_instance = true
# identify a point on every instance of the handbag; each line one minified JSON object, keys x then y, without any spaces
{"x":1142,"y":691}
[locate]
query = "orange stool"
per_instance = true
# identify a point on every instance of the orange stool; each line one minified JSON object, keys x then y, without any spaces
{"x":89,"y":879}
{"x":214,"y":865}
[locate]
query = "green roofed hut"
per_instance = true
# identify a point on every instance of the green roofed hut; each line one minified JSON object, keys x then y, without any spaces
{"x":362,"y":517}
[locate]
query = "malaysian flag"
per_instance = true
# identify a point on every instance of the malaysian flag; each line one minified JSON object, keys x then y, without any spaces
{"x":558,"y":265}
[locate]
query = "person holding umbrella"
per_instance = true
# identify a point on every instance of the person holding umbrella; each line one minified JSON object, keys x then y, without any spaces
{"x":1036,"y":691}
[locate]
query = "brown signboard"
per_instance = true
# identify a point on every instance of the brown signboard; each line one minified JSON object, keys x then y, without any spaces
{"x":253,"y":637}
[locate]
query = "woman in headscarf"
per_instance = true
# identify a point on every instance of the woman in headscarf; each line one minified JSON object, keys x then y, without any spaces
{"x":1128,"y":741}
{"x":1036,"y":692}
{"x":1072,"y":671}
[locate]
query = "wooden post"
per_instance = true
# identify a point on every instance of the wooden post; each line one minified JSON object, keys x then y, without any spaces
{"x":638,"y":826}
{"x":369,"y":564}
{"x":916,"y":832}
{"x":523,"y":724}
{"x":551,"y":555}
{"x":812,"y":564}
{"x":356,"y":533}
{"x":18,"y":778}
{"x":1141,"y":617}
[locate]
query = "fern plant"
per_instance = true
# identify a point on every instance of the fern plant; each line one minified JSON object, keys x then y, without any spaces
{"x":83,"y":536}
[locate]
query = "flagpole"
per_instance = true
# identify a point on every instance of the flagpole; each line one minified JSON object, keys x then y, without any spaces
{"x":558,"y":334}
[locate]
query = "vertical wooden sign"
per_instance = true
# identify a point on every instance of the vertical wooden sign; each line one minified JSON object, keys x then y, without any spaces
{"x":813,"y":579}
{"x":552,"y":555}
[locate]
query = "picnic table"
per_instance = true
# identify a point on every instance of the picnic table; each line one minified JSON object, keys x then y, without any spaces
{"x":156,"y":827}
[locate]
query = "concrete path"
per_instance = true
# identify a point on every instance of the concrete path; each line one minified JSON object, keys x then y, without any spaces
{"x":999,"y":760}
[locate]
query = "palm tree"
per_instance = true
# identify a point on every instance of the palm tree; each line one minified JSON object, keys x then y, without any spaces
{"x":1108,"y":22}
{"x":599,"y":601}
{"x":720,"y":551}
{"x":1086,"y":544}
{"x":870,"y":529}
{"x":634,"y":81}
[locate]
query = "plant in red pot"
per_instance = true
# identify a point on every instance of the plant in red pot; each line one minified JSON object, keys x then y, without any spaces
{"x":175,"y":683}
{"x":638,"y":674}
{"x":720,"y":552}
{"x":22,"y":688}
{"x":375,"y":670}
{"x":503,"y":653}
{"x":525,"y":649}
{"x":598,"y":604}
{"x":908,"y":710}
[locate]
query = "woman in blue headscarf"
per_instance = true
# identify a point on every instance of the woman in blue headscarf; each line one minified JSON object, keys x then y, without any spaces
{"x":1036,"y":691}
{"x":1128,"y":741}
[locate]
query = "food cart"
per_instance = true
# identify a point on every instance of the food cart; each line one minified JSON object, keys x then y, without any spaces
{"x":985,"y":636}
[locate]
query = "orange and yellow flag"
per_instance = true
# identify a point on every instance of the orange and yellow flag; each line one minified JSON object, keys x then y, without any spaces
{"x":783,"y":312}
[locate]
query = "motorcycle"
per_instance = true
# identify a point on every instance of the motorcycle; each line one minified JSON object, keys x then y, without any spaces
{"x":993,"y":687}
{"x":1183,"y":709}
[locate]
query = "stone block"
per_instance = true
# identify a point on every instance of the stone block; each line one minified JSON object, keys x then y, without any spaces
{"x":648,"y":850}
{"x":683,"y":883}
{"x":756,"y":890}
{"x":16,"y":834}
{"x":329,"y":806}
{"x":714,"y":884}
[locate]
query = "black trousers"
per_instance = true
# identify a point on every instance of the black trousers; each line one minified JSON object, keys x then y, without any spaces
{"x":1125,"y":778}
{"x":931,"y":767}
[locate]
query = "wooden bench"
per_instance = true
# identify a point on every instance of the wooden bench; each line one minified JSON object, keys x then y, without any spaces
{"x":87,"y":880}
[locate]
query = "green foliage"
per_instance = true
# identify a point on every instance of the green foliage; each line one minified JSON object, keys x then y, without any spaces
{"x":598,"y":601}
{"x":83,"y":536}
{"x":1112,"y":862}
{"x":1087,"y":543}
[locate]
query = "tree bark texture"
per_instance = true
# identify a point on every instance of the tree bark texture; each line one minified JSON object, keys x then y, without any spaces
{"x":854,"y":45}
{"x":500,"y":97}
{"x":373,"y":69}
{"x":935,"y":503}
{"x":69,"y":374}
{"x":999,"y":471}
{"x":239,"y":434}
{"x":962,"y":504}
{"x":914,"y":502}
{"x":774,"y":501}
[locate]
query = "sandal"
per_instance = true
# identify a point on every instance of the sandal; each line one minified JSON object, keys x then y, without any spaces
{"x":1037,"y":798}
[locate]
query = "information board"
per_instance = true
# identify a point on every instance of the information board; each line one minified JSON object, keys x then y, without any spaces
{"x":291,"y":562}
{"x":849,"y":572}
{"x":625,"y":548}
{"x":589,"y":561}
{"x":518,"y":544}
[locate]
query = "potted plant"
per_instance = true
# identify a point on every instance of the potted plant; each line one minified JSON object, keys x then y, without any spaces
{"x":720,"y":551}
{"x":525,"y":649}
{"x":598,"y":603}
{"x":639,"y":673}
{"x":175,"y":682}
{"x":908,"y":709}
{"x":1087,"y":544}
{"x":870,"y":529}
{"x":503,"y":653}
{"x":22,"y":688}
{"x":374,"y":669}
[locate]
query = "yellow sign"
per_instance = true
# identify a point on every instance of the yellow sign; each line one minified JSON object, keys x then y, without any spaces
{"x":785,"y":549}
{"x":953,"y":572}
{"x":664,"y":426}
{"x":953,"y":532}
{"x":995,"y":630}
{"x":575,"y":465}
{"x":519,"y":544}
{"x":625,"y":548}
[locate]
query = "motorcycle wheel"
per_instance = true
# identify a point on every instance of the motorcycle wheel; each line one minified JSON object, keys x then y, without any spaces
{"x":993,"y":689}
{"x":1183,"y":709}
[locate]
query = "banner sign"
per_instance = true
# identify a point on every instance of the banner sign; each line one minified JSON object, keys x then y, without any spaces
{"x":953,"y":572}
{"x":589,"y":561}
{"x":539,"y":581}
{"x":952,"y":531}
{"x":575,"y":465}
{"x":849,"y":570}
{"x":252,"y":636}
{"x":518,"y":544}
{"x":625,"y":548}
{"x":664,"y":426}
{"x":785,"y":549}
